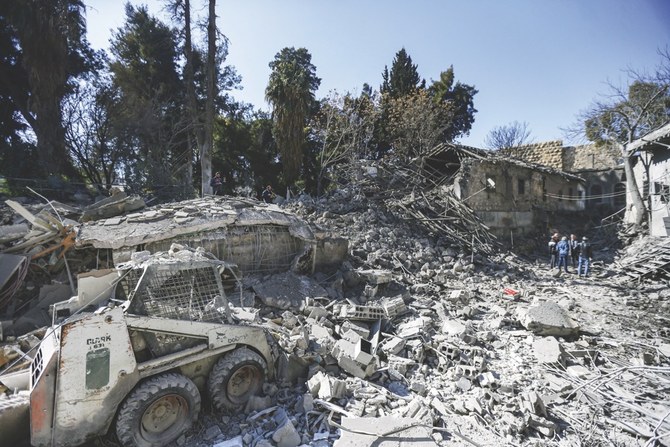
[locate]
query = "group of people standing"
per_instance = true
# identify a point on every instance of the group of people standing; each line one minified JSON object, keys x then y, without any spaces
{"x":580,"y":253}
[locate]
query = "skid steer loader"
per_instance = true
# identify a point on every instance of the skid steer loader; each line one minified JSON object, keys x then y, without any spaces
{"x":140,"y":366}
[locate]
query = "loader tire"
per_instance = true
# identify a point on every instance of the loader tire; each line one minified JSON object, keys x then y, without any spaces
{"x":158,"y":411}
{"x":236,"y":377}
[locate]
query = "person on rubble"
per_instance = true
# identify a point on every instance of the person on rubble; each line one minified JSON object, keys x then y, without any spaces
{"x":552,"y":250}
{"x":585,"y":257}
{"x":563,"y":250}
{"x":574,"y":249}
{"x":217,"y":184}
{"x":268,"y":195}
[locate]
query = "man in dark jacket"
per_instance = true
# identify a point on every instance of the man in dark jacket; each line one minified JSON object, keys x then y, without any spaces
{"x":268,"y":195}
{"x":574,"y":249}
{"x":217,"y":184}
{"x":585,"y":256}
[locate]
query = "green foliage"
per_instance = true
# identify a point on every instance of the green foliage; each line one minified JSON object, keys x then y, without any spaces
{"x":645,"y":107}
{"x":403,"y":79}
{"x":149,"y":120}
{"x":460,"y":98}
{"x":339,"y":133}
{"x":249,"y":161}
{"x":450,"y":115}
{"x":290,"y":90}
{"x":46,"y":51}
{"x":417,"y":123}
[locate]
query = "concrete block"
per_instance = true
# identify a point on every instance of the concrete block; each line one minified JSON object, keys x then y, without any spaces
{"x":344,"y":348}
{"x":400,"y":364}
{"x":459,"y":296}
{"x":358,"y":327}
{"x":412,"y":328}
{"x":394,"y":306}
{"x":351,"y":337}
{"x":453,"y":327}
{"x":487,"y":379}
{"x":233,"y":442}
{"x":319,"y":331}
{"x":467,"y":371}
{"x":356,"y":312}
{"x":286,"y":435}
{"x":362,"y":352}
{"x":451,"y":351}
{"x":376,"y":277}
{"x":352,"y":367}
{"x":392,"y":345}
{"x":332,"y":389}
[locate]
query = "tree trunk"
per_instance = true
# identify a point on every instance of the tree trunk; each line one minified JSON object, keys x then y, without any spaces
{"x":206,"y":148}
{"x":191,"y":100}
{"x":45,"y":55}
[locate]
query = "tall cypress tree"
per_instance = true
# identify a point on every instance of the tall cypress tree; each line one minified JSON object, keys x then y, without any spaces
{"x":403,"y":78}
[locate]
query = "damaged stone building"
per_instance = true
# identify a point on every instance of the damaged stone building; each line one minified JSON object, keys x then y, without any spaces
{"x":652,"y":173}
{"x":603,"y":190}
{"x":512,"y":197}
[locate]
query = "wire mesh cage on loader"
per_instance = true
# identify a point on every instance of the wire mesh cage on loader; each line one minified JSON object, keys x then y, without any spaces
{"x":191,"y":291}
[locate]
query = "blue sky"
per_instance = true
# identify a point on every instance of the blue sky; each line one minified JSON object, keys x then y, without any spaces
{"x":537,"y":61}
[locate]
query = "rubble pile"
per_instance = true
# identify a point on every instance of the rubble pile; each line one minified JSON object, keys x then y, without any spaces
{"x":475,"y":366}
{"x":414,"y":339}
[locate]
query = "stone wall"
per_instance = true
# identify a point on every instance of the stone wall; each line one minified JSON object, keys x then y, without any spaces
{"x":519,"y":193}
{"x":547,"y":153}
{"x":590,"y":157}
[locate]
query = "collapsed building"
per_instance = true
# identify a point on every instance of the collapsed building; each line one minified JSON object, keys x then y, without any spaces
{"x":416,"y":330}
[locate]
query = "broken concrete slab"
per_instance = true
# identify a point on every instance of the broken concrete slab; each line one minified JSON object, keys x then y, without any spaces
{"x":112,"y":206}
{"x":548,"y":318}
{"x":255,"y":237}
{"x":233,"y":442}
{"x":9,"y":233}
{"x":548,"y":350}
{"x":288,"y":290}
{"x":386,"y":431}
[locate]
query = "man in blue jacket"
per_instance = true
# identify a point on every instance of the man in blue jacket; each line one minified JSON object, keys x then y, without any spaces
{"x":563,"y":249}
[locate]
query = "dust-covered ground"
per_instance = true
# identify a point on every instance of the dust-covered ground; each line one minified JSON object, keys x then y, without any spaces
{"x":421,"y":339}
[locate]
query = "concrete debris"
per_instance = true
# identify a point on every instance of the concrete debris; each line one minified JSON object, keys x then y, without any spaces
{"x":548,"y":318}
{"x":233,"y":442}
{"x":288,"y":291}
{"x":114,"y":205}
{"x":548,"y":350}
{"x":408,"y":341}
{"x":384,"y":431}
